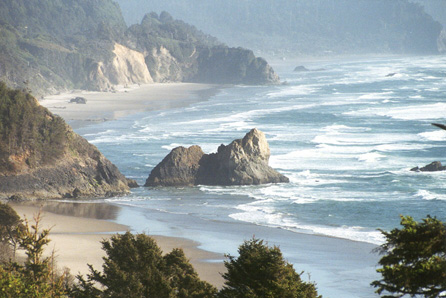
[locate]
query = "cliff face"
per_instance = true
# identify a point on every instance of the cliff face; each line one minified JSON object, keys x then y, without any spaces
{"x":125,"y":68}
{"x":233,"y":66}
{"x":243,"y":162}
{"x":41,"y":157}
{"x":86,"y":45}
{"x":190,"y":56}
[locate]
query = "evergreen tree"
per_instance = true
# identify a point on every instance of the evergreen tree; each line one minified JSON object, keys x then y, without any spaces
{"x":135,"y":267}
{"x":38,"y":277}
{"x":10,"y":224}
{"x":261,"y":272}
{"x":414,"y":261}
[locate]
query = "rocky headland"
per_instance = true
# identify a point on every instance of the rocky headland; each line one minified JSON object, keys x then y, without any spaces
{"x":42,"y":158}
{"x":242,"y":162}
{"x":67,"y":45}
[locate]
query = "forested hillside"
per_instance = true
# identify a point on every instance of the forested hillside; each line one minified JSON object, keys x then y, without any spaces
{"x":296,"y":27}
{"x":41,"y":157}
{"x":48,"y":45}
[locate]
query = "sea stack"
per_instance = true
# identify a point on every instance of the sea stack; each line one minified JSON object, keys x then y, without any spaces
{"x":242,"y":162}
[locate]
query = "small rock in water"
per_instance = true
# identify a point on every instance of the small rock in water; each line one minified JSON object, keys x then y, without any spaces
{"x":301,"y":68}
{"x":432,"y":167}
{"x":78,"y":100}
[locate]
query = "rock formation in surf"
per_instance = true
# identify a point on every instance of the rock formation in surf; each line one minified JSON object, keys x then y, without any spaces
{"x":242,"y":162}
{"x":42,"y":158}
{"x":434,"y":166}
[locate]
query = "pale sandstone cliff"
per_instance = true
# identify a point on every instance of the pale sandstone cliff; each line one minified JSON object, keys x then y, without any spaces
{"x":127,"y":67}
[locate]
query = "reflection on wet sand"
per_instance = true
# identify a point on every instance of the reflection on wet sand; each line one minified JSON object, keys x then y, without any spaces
{"x":86,"y":210}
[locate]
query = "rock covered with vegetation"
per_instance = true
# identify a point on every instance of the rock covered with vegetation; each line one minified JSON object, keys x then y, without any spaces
{"x":41,"y":157}
{"x":242,"y":162}
{"x":87,"y":45}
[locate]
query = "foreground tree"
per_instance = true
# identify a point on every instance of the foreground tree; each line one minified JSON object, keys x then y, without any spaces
{"x":135,"y":267}
{"x":10,"y":224}
{"x":414,"y":261}
{"x":261,"y":272}
{"x":38,"y":277}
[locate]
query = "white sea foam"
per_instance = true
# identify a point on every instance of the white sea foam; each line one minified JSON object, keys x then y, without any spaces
{"x":436,"y":135}
{"x":175,"y":145}
{"x":371,"y":157}
{"x":413,"y":112}
{"x":429,"y":195}
{"x":402,"y":147}
{"x":372,"y":96}
{"x":294,"y":90}
{"x":268,"y":216}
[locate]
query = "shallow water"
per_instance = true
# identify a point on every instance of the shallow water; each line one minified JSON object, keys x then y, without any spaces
{"x":346,"y":137}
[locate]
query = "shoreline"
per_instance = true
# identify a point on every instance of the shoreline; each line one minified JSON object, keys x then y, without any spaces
{"x":78,"y":228}
{"x":76,"y":238}
{"x":107,"y":106}
{"x":329,"y":260}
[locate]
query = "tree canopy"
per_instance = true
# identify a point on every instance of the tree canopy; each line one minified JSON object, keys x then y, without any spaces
{"x":262,"y":272}
{"x":414,"y":259}
{"x":135,"y":267}
{"x":10,"y":224}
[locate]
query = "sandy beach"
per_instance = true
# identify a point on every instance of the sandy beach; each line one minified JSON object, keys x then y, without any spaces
{"x":76,"y":232}
{"x":188,"y":218}
{"x":76,"y":239}
{"x":104,"y":106}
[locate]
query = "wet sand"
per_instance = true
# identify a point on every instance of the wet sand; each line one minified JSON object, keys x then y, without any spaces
{"x":104,"y":106}
{"x":76,"y":238}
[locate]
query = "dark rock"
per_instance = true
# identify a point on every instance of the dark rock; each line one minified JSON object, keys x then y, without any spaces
{"x":432,"y":167}
{"x":178,"y":168}
{"x":416,"y":169}
{"x":390,"y":74}
{"x":78,"y":100}
{"x":132,"y":183}
{"x":301,"y":68}
{"x":225,"y":65}
{"x":243,"y":162}
{"x":15,"y":198}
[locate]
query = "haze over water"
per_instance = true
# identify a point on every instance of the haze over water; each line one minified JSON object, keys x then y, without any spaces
{"x":346,"y":136}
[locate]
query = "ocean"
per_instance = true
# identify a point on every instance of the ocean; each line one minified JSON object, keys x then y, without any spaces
{"x":346,"y":134}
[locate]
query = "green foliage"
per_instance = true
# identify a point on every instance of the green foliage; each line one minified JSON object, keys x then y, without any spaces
{"x":305,"y":27}
{"x":179,"y":38}
{"x":261,"y":272}
{"x":29,"y":134}
{"x":135,"y":267}
{"x":414,"y":261}
{"x":37,"y":278}
{"x":51,"y":17}
{"x":10,"y":226}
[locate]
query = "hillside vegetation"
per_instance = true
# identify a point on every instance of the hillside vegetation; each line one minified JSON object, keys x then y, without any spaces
{"x":296,"y":27}
{"x":41,"y":157}
{"x":50,"y":45}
